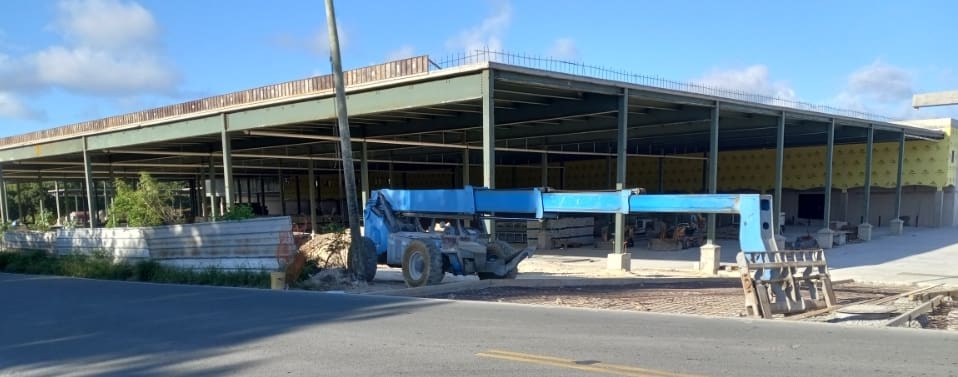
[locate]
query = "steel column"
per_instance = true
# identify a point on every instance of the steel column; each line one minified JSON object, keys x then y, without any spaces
{"x":364,"y":174}
{"x":465,"y":168}
{"x":489,"y":138}
{"x":249,"y":190}
{"x":713,"y":168}
{"x":779,"y":171}
{"x":227,"y":166}
{"x":545,"y":170}
{"x":488,"y":131}
{"x":299,"y":196}
{"x":4,"y":208}
{"x":829,"y":155}
{"x":311,"y":177}
{"x":282,"y":191}
{"x":901,"y":165}
{"x":868,"y":174}
{"x":193,"y":196}
{"x":620,"y":167}
{"x":88,"y":174}
{"x":211,"y":189}
{"x":56,"y":197}
{"x":661,"y":175}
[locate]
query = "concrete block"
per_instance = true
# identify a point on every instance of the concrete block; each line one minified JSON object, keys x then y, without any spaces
{"x":865,"y":232}
{"x":897,"y":226}
{"x":711,"y":255}
{"x":825,"y":237}
{"x":620,"y":262}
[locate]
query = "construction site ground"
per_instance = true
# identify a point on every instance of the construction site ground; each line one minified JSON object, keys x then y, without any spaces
{"x":669,"y":281}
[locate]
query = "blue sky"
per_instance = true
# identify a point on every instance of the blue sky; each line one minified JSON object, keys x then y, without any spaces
{"x":68,"y":61}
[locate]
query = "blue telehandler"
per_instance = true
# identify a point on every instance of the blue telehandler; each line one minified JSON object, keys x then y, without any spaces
{"x":429,"y":232}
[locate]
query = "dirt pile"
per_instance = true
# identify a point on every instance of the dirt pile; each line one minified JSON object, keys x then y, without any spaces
{"x":323,"y":257}
{"x":327,"y":250}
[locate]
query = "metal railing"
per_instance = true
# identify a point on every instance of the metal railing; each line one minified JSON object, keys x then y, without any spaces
{"x":582,"y":69}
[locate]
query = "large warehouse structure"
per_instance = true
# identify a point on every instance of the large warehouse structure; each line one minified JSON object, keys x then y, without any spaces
{"x":504,"y":121}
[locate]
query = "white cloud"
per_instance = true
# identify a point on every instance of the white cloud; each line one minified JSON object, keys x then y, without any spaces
{"x":488,"y":34}
{"x":11,"y":107}
{"x":83,"y":69}
{"x":106,"y":24}
{"x":881,"y":82}
{"x":753,"y":79}
{"x":109,"y":48}
{"x":403,"y":52}
{"x":565,"y":49}
{"x":885,"y":89}
{"x":112,"y":51}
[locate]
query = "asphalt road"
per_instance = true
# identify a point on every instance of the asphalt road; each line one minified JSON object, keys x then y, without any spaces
{"x":53,"y":326}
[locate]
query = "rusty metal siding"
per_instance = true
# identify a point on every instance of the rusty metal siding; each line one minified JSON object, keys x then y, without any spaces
{"x":312,"y":85}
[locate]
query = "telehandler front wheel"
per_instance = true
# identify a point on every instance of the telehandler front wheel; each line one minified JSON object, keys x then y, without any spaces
{"x":421,"y":264}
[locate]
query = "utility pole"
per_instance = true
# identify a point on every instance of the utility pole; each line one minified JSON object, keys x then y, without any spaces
{"x":345,"y":141}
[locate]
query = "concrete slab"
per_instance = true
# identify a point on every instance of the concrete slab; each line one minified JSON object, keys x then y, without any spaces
{"x":921,"y":256}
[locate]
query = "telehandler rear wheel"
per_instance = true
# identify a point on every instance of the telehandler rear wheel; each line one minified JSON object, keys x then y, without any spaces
{"x":421,"y":264}
{"x":496,"y":251}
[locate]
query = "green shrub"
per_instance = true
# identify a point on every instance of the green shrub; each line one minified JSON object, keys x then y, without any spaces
{"x":101,"y":266}
{"x":238,"y":212}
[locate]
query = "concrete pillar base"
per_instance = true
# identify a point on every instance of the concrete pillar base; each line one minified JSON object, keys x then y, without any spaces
{"x":711,"y":255}
{"x":620,"y":262}
{"x":865,"y":232}
{"x":825,"y":237}
{"x":897,"y":226}
{"x":780,"y":241}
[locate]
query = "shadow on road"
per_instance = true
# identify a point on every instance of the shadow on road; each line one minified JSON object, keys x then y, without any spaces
{"x":119,"y":328}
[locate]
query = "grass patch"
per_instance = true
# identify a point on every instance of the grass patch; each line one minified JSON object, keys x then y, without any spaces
{"x":101,"y":266}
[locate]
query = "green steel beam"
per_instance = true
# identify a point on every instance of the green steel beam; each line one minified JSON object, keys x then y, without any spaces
{"x":210,"y":125}
{"x":456,"y":89}
{"x":557,"y":110}
{"x":54,"y":148}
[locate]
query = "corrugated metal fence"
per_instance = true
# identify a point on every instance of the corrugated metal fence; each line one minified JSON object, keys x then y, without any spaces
{"x":261,"y":244}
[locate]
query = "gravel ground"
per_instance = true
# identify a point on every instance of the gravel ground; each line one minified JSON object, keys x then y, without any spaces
{"x":714,"y":298}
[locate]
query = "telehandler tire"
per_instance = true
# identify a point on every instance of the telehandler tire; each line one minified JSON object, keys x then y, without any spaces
{"x":422,"y":264}
{"x":499,"y":250}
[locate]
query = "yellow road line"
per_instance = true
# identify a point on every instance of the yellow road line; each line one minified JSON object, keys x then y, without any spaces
{"x":598,"y":367}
